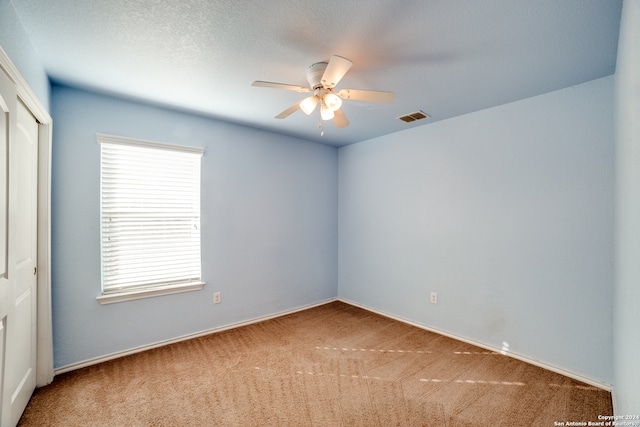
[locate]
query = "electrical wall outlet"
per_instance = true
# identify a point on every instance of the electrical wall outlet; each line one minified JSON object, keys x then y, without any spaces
{"x":434,"y":298}
{"x":216,"y":298}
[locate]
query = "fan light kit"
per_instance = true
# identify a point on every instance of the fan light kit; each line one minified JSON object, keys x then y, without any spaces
{"x":323,"y":77}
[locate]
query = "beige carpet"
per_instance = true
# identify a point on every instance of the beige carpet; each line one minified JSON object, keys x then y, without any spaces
{"x":334,"y":365}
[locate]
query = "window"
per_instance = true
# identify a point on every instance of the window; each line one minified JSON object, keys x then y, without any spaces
{"x":150,"y":218}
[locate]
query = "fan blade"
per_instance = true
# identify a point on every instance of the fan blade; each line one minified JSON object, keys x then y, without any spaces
{"x":335,"y":71}
{"x":367,"y":95}
{"x":281,"y":86}
{"x":289,"y":111}
{"x":340,"y":120}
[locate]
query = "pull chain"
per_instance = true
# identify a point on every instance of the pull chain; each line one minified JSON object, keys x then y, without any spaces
{"x":320,"y":124}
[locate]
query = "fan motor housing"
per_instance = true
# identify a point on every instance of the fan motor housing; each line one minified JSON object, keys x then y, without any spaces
{"x":314,"y":74}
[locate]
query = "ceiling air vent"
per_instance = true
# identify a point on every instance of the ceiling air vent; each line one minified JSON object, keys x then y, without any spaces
{"x":412,"y":117}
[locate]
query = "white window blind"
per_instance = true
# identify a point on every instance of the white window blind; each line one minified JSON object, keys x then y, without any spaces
{"x":150,"y":214}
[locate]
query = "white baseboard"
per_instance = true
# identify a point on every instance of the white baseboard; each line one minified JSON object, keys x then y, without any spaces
{"x":535,"y":362}
{"x":96,"y":360}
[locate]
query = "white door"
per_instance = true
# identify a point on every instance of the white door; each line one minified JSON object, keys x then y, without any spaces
{"x":7,"y":108}
{"x":19,"y":283}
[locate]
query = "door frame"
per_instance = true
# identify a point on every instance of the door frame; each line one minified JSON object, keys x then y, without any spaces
{"x":44,"y":357}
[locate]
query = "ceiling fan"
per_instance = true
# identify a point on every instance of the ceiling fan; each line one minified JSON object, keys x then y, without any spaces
{"x":323,"y":77}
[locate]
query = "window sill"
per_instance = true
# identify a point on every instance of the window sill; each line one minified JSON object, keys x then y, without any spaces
{"x":148,"y":293}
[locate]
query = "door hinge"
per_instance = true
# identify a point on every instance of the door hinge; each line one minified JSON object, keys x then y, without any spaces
{"x":35,"y":270}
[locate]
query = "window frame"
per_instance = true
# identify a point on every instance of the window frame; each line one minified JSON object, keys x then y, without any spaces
{"x":158,"y":288}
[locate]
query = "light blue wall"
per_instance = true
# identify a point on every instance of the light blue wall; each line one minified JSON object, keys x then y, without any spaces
{"x":269,"y":226}
{"x":627,"y":290}
{"x":507,"y":213}
{"x":16,"y":43}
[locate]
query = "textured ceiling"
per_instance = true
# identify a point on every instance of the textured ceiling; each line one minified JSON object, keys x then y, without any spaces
{"x":445,"y":57}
